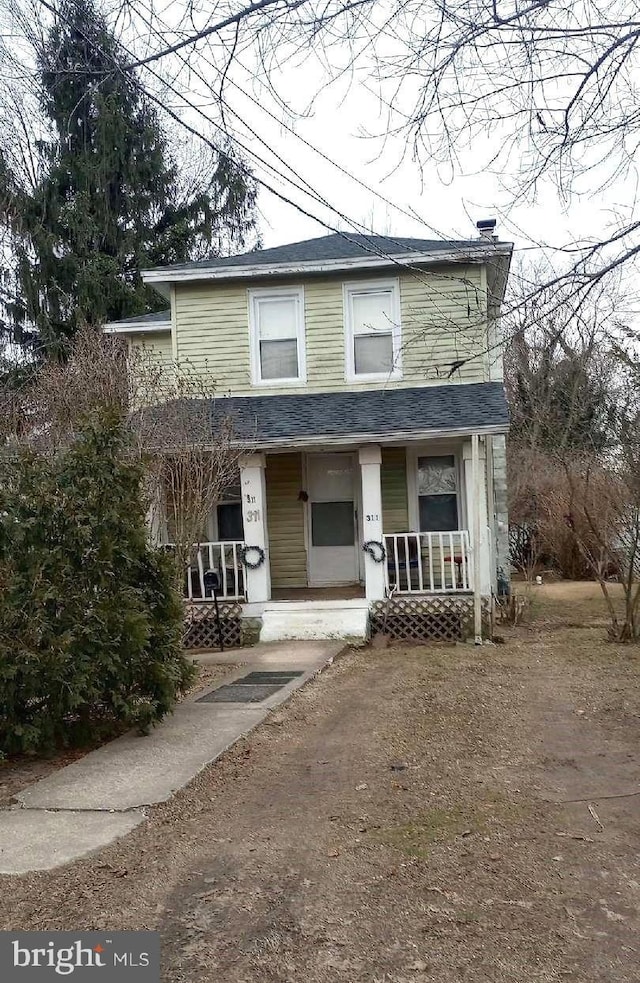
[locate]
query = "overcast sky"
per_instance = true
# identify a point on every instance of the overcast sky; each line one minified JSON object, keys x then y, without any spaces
{"x":339,"y":120}
{"x":432,"y":201}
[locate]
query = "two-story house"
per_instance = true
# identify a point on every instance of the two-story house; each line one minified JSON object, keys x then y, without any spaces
{"x":366,"y":374}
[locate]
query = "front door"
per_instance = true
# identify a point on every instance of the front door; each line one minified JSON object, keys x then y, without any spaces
{"x":333,"y":554}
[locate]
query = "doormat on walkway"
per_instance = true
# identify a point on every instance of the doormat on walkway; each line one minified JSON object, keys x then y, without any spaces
{"x":252,"y":688}
{"x":263,"y":676}
{"x":240,"y":694}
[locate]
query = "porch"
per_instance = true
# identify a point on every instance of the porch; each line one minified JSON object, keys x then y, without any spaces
{"x":414,"y":563}
{"x":335,"y":530}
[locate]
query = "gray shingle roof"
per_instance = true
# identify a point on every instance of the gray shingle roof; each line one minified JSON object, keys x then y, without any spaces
{"x":277,"y":419}
{"x":161,"y":317}
{"x":332,"y":247}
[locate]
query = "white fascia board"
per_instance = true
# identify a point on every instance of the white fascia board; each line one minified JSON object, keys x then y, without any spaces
{"x":136,"y":327}
{"x":356,"y":440}
{"x":472,"y":254}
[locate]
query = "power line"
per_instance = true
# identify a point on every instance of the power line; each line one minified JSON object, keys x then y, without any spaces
{"x":413,"y":215}
{"x":372,"y":247}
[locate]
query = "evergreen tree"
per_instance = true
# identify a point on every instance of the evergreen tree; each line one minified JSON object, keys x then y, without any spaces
{"x":108,"y":199}
{"x":90,"y":623}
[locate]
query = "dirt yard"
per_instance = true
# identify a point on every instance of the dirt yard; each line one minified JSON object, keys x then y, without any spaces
{"x":416,"y":814}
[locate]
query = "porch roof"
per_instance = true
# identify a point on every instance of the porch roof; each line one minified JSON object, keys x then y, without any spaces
{"x":377,"y":415}
{"x":157,"y":321}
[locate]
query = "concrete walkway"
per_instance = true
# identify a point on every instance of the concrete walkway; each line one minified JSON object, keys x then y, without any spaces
{"x":103,"y":795}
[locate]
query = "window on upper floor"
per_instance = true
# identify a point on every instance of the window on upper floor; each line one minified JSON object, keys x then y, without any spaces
{"x":372,"y":329}
{"x":276,"y":324}
{"x":438,"y":493}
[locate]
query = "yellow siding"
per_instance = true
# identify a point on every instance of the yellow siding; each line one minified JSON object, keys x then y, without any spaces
{"x":395,"y":512}
{"x":443,"y":321}
{"x":156,"y":346}
{"x":155,"y":351}
{"x":285,"y":521}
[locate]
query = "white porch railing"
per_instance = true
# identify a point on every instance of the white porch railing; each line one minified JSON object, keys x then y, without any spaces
{"x":224,"y":560}
{"x":429,"y":562}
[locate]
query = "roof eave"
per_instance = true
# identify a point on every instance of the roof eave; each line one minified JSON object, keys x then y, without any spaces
{"x":392,"y":437}
{"x":136,"y":327}
{"x":473,"y":254}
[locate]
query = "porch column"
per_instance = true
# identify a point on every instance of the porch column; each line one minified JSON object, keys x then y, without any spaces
{"x":370,"y":458}
{"x":254,"y":517}
{"x":474,"y":457}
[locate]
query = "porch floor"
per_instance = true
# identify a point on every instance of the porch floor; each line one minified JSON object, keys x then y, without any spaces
{"x":345,"y":593}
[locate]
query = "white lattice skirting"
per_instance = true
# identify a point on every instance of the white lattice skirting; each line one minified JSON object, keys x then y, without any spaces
{"x":443,"y":618}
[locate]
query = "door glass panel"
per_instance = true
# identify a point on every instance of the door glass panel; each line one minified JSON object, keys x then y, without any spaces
{"x":436,"y":475}
{"x":331,"y":478}
{"x":438,"y":513}
{"x":332,"y":524}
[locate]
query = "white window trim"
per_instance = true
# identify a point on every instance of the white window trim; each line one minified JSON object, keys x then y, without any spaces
{"x":212,"y":520}
{"x":254,"y":342}
{"x":357,"y":286}
{"x":412,"y":481}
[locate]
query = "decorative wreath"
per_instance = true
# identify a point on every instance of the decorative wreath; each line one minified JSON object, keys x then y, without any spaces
{"x":252,"y":564}
{"x":376,"y":550}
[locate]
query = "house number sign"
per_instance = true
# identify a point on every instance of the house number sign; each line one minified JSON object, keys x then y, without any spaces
{"x":253,"y":515}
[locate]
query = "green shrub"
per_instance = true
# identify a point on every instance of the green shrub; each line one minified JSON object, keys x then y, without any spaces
{"x":90,"y":623}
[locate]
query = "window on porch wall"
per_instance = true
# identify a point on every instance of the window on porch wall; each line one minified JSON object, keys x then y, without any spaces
{"x":230,"y":527}
{"x":226,"y":523}
{"x":438,"y":493}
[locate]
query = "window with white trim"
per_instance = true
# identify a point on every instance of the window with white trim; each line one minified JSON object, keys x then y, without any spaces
{"x":230,"y":526}
{"x":225,"y":523}
{"x":276,"y":323}
{"x":372,"y":323}
{"x":438,"y":493}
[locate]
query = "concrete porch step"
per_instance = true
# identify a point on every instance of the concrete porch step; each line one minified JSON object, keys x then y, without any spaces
{"x":343,"y":619}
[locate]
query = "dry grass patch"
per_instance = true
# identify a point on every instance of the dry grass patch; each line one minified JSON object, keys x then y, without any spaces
{"x":407,"y":817}
{"x":572,"y":604}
